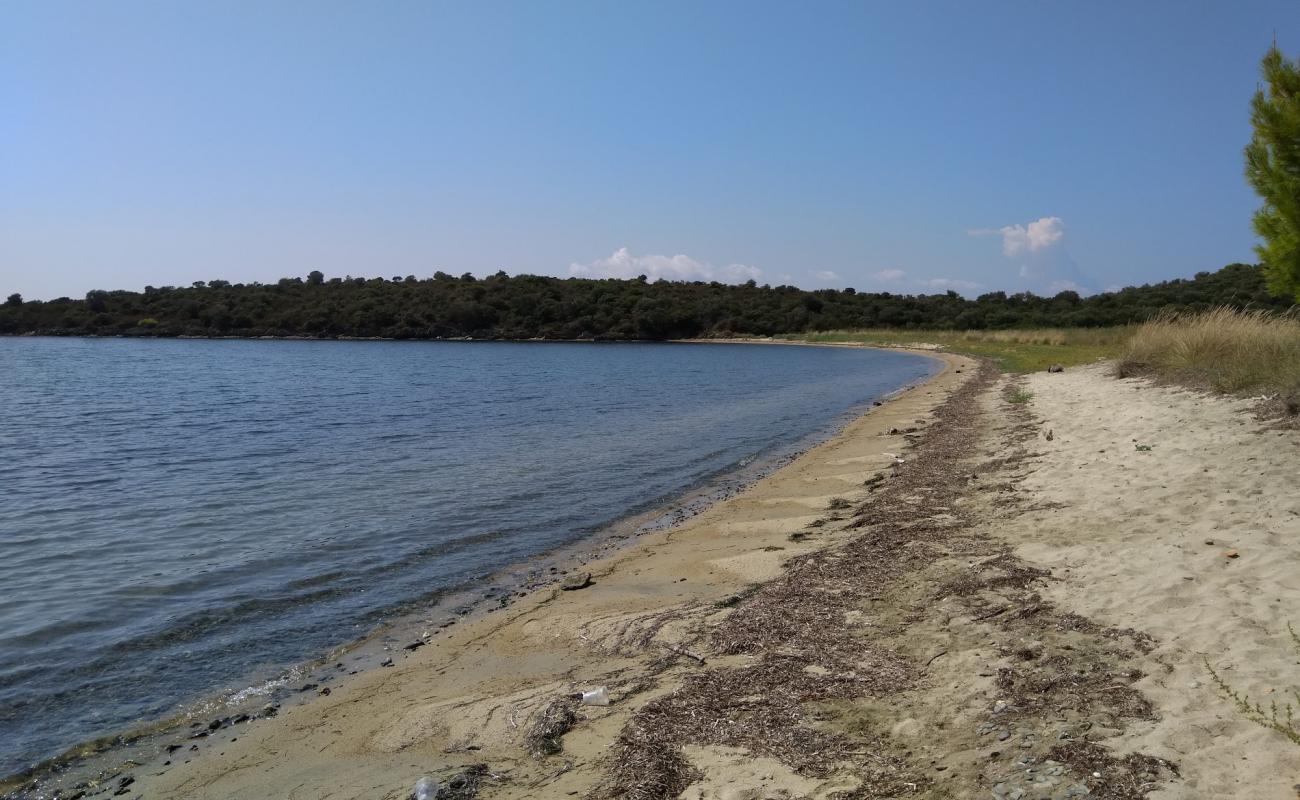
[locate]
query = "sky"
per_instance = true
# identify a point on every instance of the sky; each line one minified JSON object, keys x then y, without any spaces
{"x":903,"y":147}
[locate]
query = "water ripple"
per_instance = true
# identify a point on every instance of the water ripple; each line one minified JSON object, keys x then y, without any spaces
{"x":178,"y":516}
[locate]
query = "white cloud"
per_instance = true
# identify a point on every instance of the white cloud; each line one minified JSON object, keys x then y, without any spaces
{"x":951,"y":283}
{"x":1040,"y":253}
{"x":825,"y":275}
{"x":622,"y":264}
{"x":889,"y":275}
{"x":1038,"y":235}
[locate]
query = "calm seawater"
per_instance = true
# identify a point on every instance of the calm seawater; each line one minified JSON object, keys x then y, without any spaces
{"x":180,"y":516}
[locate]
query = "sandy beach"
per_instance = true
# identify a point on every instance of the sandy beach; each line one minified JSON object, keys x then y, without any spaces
{"x":990,"y":586}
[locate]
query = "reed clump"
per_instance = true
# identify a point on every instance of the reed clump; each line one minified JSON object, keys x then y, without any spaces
{"x":1223,"y":349}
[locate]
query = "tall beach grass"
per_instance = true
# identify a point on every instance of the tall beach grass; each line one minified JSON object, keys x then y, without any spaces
{"x":1222,"y":349}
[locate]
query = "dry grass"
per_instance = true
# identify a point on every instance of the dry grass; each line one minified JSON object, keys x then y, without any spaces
{"x":1222,"y":349}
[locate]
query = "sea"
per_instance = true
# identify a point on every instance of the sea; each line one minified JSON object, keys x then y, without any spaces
{"x":182,"y":518}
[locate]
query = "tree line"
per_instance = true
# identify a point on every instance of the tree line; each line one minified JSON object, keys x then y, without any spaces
{"x":538,"y":307}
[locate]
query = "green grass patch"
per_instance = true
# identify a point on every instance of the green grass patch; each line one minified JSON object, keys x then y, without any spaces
{"x":1017,"y":351}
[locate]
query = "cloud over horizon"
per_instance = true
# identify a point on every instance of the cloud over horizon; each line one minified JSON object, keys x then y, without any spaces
{"x":1038,"y":235}
{"x":1045,"y":265}
{"x":623,"y":264}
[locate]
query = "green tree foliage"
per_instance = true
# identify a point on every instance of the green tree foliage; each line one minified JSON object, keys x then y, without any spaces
{"x":14,"y":299}
{"x":1273,"y":168}
{"x":535,"y":307}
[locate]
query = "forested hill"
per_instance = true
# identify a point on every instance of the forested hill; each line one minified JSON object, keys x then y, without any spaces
{"x":529,"y":307}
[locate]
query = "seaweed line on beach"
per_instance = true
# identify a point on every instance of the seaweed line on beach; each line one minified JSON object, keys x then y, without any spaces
{"x":809,"y":660}
{"x":795,"y":626}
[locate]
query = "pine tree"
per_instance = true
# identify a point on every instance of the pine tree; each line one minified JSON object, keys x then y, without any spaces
{"x":1273,"y":168}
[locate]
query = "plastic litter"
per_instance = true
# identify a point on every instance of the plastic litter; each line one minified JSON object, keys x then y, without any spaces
{"x":426,"y":788}
{"x":596,"y":697}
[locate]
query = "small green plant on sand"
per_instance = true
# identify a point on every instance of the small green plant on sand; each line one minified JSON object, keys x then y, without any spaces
{"x":1020,"y":396}
{"x":1283,"y":720}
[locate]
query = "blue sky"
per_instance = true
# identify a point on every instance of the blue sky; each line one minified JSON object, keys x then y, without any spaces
{"x":886,"y":146}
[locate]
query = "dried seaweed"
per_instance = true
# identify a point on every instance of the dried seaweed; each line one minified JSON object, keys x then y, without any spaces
{"x":1129,"y":778}
{"x":1003,"y":571}
{"x":545,"y":733}
{"x":806,"y":654}
{"x":1058,"y":683}
{"x":464,"y":785}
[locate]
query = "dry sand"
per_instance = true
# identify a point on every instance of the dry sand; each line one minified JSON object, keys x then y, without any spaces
{"x":1001,"y":615}
{"x":1144,"y":538}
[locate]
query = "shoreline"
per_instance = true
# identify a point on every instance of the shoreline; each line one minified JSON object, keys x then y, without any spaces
{"x":752,"y":554}
{"x":906,"y":403}
{"x":1047,"y":586}
{"x":466,"y":606}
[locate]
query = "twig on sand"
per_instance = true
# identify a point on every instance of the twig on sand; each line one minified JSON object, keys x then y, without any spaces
{"x":682,"y":651}
{"x":935,"y":657}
